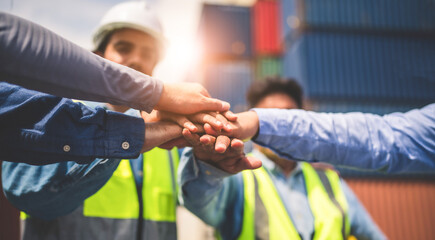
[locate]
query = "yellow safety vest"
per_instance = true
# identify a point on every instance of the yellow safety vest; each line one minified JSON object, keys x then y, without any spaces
{"x":326,"y":198}
{"x":118,"y":197}
{"x":116,"y":205}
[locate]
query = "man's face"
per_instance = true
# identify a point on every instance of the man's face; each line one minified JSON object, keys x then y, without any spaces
{"x":134,"y":49}
{"x":277,"y":100}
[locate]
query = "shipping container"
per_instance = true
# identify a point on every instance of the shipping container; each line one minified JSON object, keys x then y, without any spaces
{"x":266,"y":28}
{"x":229,"y":81}
{"x":268,"y":67}
{"x":372,"y":15}
{"x":402,"y":208}
{"x":364,"y":67}
{"x":225,"y":31}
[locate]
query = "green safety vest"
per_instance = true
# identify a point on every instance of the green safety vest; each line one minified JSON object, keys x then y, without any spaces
{"x":113,"y":211}
{"x":265,"y":217}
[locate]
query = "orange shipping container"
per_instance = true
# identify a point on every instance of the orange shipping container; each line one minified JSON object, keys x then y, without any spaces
{"x":402,"y":208}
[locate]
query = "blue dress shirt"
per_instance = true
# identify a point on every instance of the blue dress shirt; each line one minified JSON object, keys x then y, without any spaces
{"x":393,"y":143}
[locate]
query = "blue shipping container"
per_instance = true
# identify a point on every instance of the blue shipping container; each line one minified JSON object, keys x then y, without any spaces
{"x":230,"y":81}
{"x":382,"y":15}
{"x":225,"y":31}
{"x":345,"y":66}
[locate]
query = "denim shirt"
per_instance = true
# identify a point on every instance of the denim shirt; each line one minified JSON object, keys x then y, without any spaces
{"x":393,"y":143}
{"x":38,"y":128}
{"x":217,"y":198}
{"x":54,"y":190}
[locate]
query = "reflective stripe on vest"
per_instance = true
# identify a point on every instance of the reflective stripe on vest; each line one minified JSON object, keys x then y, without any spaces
{"x":260,"y":194}
{"x":272,"y":222}
{"x":112,"y":212}
{"x":330,"y":214}
{"x":117,"y":199}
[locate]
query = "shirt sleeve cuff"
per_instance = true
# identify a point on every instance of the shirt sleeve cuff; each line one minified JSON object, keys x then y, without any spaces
{"x":125,"y":135}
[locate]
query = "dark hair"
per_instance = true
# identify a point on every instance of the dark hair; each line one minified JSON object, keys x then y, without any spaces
{"x":261,"y":89}
{"x":103,"y":44}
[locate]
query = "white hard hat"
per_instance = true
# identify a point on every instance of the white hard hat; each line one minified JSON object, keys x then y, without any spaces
{"x":136,"y":15}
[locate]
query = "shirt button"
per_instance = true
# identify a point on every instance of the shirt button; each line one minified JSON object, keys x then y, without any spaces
{"x":207,"y":172}
{"x":66,"y":148}
{"x":125,"y":145}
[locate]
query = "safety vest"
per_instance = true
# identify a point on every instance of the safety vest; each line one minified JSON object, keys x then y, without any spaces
{"x":265,"y":217}
{"x":113,"y":212}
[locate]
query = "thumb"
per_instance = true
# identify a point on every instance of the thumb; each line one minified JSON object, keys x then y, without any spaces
{"x":250,"y":163}
{"x":213,"y":104}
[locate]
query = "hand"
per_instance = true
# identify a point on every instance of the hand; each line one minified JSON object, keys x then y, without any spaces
{"x":217,"y":121}
{"x":216,"y":152}
{"x":188,"y":98}
{"x":246,"y":126}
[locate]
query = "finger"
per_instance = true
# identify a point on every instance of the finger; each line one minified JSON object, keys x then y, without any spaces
{"x":200,"y":128}
{"x":247,"y":163}
{"x":209,"y":130}
{"x":237,"y":145}
{"x":213,"y":104}
{"x":226,"y":126}
{"x":184,"y":122}
{"x":222,"y":143}
{"x":207,"y":139}
{"x":207,"y":118}
{"x":193,"y":139}
{"x":209,"y":144}
{"x":230,"y":116}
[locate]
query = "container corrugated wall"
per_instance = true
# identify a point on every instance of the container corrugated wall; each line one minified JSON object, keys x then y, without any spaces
{"x":268,"y":67}
{"x":402,"y":208}
{"x":351,"y":66}
{"x":385,"y":15}
{"x":225,"y":31}
{"x":266,"y":28}
{"x":229,"y":81}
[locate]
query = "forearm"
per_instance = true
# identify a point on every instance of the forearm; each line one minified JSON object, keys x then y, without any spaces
{"x":63,"y":188}
{"x":36,"y":58}
{"x":204,"y":191}
{"x":392,"y":143}
{"x":39,"y":128}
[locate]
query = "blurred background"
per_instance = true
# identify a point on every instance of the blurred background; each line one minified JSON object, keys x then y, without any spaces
{"x":374,"y":56}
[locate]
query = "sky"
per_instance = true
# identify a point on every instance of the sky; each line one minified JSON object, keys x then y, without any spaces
{"x":76,"y":20}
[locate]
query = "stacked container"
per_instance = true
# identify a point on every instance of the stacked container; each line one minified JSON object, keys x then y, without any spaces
{"x":267,"y":40}
{"x":361,"y":52}
{"x":227,"y":69}
{"x":373,"y":55}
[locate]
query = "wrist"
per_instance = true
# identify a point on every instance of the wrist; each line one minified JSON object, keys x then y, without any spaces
{"x":249,"y":124}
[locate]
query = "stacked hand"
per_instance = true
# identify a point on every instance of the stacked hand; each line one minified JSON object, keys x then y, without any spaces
{"x":221,"y":152}
{"x":186,"y":116}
